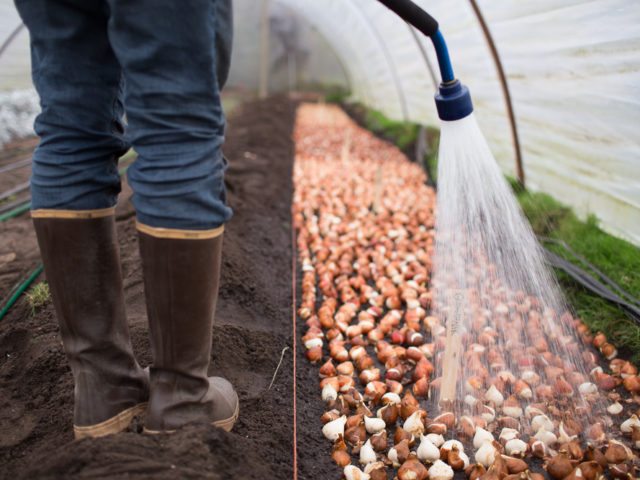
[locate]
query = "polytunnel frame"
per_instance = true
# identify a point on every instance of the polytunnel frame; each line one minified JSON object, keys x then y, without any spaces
{"x":385,"y":51}
{"x":502,"y":78}
{"x":347,"y":73}
{"x":321,"y":28}
{"x":504,"y":85}
{"x":10,"y":38}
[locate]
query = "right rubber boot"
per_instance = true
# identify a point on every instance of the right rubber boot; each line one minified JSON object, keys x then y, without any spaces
{"x":82,"y":265}
{"x":181,"y":277}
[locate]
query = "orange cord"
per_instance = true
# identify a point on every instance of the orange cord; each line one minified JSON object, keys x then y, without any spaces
{"x":295,"y":341}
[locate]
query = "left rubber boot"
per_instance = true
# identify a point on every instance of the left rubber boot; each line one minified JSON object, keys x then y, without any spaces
{"x":82,"y":265}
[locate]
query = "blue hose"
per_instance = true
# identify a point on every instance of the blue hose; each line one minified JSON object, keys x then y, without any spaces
{"x":444,"y":61}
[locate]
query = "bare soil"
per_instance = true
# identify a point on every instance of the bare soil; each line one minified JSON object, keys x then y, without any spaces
{"x":252,"y":328}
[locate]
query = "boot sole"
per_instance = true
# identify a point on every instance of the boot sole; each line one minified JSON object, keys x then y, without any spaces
{"x":226,"y":424}
{"x":115,"y":424}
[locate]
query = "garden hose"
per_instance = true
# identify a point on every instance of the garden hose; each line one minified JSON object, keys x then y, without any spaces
{"x":617,"y":289}
{"x":19,"y":290}
{"x":630,"y":307}
{"x":453,"y":100}
{"x":9,"y":206}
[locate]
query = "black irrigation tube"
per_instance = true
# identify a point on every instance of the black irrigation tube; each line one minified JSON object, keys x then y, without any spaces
{"x":593,"y":285}
{"x":598,"y":273}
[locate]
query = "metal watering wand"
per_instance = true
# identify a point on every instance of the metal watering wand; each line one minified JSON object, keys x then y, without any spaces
{"x":453,"y":100}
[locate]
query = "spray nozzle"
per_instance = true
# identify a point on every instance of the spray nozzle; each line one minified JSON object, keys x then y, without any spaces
{"x":453,"y":101}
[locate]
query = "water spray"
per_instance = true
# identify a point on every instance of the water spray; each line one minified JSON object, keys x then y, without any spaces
{"x":453,"y":103}
{"x":506,"y":320}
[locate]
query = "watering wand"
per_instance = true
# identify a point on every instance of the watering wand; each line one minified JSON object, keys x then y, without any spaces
{"x":453,"y":102}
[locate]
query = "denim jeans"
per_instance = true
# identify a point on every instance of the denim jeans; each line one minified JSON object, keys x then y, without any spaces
{"x":163,"y":63}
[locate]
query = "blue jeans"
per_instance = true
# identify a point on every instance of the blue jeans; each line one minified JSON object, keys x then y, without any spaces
{"x":163,"y":63}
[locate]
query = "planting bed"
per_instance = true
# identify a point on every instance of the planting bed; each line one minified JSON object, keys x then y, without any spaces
{"x":253,"y":326}
{"x":364,"y":220}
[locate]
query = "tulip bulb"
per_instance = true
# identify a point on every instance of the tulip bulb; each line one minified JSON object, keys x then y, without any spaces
{"x":481,"y":437}
{"x":391,"y":398}
{"x":352,"y":472}
{"x":508,"y":434}
{"x":546,"y":437}
{"x":559,"y":467}
{"x":486,"y":454}
{"x":494,"y":396}
{"x":367,"y":454}
{"x":563,"y":436}
{"x":587,"y":388}
{"x":427,"y":451}
{"x":488,"y":414}
{"x":412,"y":469}
{"x":334,"y":429}
{"x":329,"y":393}
{"x":451,"y":444}
{"x":628,"y":424}
{"x":374,"y":425}
{"x":376,"y":470}
{"x":414,"y":424}
{"x":435,"y":438}
{"x":516,"y":447}
{"x":615,"y":408}
{"x":616,"y":453}
{"x":440,"y":471}
{"x":542,"y":422}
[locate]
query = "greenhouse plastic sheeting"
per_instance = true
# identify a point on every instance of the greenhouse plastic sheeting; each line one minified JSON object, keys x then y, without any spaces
{"x":573,"y":68}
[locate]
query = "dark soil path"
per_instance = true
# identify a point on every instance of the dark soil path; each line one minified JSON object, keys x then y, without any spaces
{"x":252,"y":328}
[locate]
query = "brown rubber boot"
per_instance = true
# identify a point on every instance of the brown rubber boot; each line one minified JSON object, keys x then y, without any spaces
{"x":181,"y":276}
{"x":82,"y":265}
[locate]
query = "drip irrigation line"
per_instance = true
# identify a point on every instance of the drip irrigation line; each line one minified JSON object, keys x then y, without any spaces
{"x":7,"y":207}
{"x":15,"y":165}
{"x":604,"y":278}
{"x":19,"y":210}
{"x":592,"y":284}
{"x":20,"y":289}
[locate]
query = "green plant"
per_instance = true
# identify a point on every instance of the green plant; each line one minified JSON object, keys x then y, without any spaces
{"x":335,"y":94}
{"x":38,"y":296}
{"x":616,"y":258}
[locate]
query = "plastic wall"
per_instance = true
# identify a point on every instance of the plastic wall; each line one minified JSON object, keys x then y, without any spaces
{"x":573,"y":67}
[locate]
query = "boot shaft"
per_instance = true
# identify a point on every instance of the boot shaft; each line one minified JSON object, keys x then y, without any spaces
{"x":181,"y":278}
{"x":82,"y":265}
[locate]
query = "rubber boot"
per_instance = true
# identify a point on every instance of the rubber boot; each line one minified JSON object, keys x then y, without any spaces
{"x":82,"y":265}
{"x":181,"y":277}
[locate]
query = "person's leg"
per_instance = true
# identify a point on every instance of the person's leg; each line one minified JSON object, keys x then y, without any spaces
{"x":224,"y":40}
{"x":172,"y":100}
{"x":74,"y":188}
